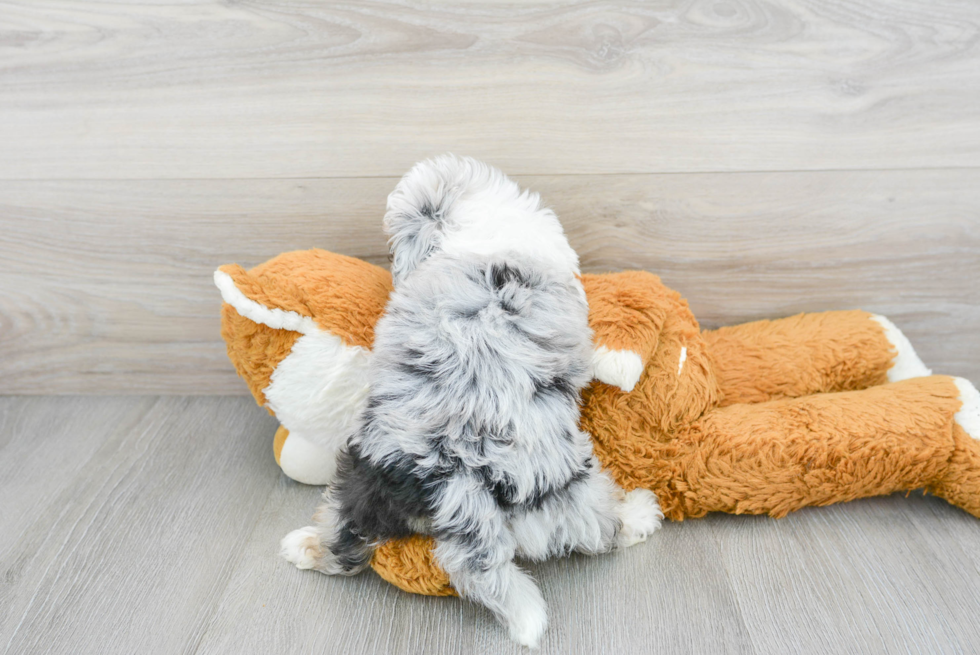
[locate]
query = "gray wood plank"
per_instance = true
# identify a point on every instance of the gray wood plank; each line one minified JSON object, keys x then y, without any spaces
{"x":152,"y":525}
{"x":44,"y":445}
{"x":131,"y":552}
{"x":671,"y":592}
{"x":283,"y":89}
{"x":105,"y":287}
{"x":873,"y":576}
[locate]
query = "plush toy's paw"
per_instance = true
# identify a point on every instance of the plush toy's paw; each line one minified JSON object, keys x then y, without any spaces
{"x":906,"y":363}
{"x":620,"y":368}
{"x":528,"y":616}
{"x":641,"y":516}
{"x":968,"y":417}
{"x":302,"y":547}
{"x":304,"y":461}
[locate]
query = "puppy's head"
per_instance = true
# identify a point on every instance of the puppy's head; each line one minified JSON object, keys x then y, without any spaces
{"x":461,"y":206}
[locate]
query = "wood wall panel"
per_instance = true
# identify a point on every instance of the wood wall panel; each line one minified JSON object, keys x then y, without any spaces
{"x":105,"y":286}
{"x":101,"y":90}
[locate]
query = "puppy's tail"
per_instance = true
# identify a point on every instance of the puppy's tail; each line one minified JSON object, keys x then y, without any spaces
{"x":420,"y":209}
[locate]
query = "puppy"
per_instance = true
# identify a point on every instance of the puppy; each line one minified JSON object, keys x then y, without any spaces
{"x":470,"y":433}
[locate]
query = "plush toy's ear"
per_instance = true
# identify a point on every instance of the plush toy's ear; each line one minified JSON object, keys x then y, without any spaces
{"x":626,"y":314}
{"x":258,"y":336}
{"x":261,"y":304}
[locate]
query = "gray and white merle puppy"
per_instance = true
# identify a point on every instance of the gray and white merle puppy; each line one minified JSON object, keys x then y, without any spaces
{"x":471,"y":429}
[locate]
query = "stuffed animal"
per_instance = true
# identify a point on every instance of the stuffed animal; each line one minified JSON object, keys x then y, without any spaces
{"x":760,"y":418}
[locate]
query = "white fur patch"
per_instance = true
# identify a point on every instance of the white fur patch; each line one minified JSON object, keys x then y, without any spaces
{"x":683,"y":358}
{"x":641,"y":516}
{"x":307,"y":462}
{"x":274,"y":318}
{"x":487,"y":213}
{"x":316,"y":392}
{"x":968,"y":417}
{"x":319,"y":389}
{"x":906,"y":364}
{"x":301,"y":547}
{"x":527,"y":615}
{"x":620,"y":368}
{"x":502,"y":219}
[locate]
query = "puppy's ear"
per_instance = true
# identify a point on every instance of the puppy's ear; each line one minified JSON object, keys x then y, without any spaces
{"x":420,"y":209}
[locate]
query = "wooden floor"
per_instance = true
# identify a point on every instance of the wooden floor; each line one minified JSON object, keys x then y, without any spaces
{"x":151,"y":525}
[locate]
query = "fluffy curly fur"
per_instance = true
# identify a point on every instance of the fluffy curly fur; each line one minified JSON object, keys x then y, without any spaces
{"x":471,"y":431}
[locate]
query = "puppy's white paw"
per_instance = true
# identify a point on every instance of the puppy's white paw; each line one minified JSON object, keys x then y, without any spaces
{"x":528,"y":614}
{"x":301,"y":547}
{"x":641,"y":516}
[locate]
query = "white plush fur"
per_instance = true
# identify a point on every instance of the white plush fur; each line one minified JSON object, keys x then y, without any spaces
{"x":641,"y":516}
{"x":306,"y":462}
{"x":968,"y":417}
{"x":906,"y":363}
{"x":320,"y":388}
{"x":620,"y":368}
{"x":681,"y":360}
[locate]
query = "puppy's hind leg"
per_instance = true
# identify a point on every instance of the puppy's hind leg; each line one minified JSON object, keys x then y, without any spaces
{"x":591,"y":515}
{"x":641,"y":515}
{"x":331,"y":545}
{"x":476,"y":549}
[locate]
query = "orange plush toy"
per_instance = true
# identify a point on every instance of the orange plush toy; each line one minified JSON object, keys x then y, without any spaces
{"x":760,"y":418}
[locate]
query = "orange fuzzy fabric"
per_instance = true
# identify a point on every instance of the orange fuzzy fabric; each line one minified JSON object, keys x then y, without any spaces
{"x":761,"y":418}
{"x":799,"y":355}
{"x":343,"y":295}
{"x":278,"y":442}
{"x":254,"y":349}
{"x":410,"y":565}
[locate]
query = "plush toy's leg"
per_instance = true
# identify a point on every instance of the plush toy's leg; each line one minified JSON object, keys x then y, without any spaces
{"x":809,"y":353}
{"x":410,"y":565}
{"x":960,"y":483}
{"x":776,"y":457}
{"x":302,"y":460}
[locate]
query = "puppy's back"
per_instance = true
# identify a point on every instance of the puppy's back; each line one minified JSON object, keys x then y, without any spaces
{"x":478,"y":366}
{"x":480,"y":357}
